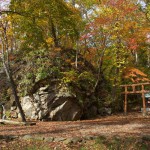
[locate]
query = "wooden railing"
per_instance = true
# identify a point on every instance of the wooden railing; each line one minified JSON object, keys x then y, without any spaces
{"x":135,"y":91}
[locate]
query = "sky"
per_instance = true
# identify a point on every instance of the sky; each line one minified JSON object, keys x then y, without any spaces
{"x":4,"y":3}
{"x":142,"y":3}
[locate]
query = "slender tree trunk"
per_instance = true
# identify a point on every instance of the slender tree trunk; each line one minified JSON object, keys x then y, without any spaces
{"x":136,"y":57}
{"x":73,"y":3}
{"x":53,"y":32}
{"x":115,"y":89}
{"x":100,"y":72}
{"x":77,"y":51}
{"x":6,"y":66}
{"x":1,"y":111}
{"x":14,"y":91}
{"x":101,"y":56}
{"x":148,"y":58}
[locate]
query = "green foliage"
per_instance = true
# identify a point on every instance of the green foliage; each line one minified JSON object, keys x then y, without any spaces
{"x":113,"y":38}
{"x":88,"y":76}
{"x":79,"y":83}
{"x":70,"y":77}
{"x":36,"y":68}
{"x":38,"y":21}
{"x":41,"y":74}
{"x":84,"y":80}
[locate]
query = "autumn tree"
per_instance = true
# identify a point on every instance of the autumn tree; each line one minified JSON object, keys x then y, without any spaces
{"x":6,"y":46}
{"x":114,"y":29}
{"x":41,"y":27}
{"x":36,"y":26}
{"x":46,"y":21}
{"x":114,"y":36}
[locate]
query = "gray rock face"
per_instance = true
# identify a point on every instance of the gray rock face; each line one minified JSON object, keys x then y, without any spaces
{"x":35,"y":107}
{"x":28,"y":107}
{"x":63,"y":93}
{"x":66,"y":111}
{"x":63,"y":106}
{"x":53,"y":104}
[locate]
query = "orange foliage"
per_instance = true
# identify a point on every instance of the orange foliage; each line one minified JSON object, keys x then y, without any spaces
{"x":135,"y":75}
{"x":90,"y":55}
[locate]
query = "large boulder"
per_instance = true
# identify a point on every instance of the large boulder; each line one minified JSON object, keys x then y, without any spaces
{"x":64,"y":106}
{"x":53,"y":104}
{"x":28,"y":107}
{"x":59,"y":89}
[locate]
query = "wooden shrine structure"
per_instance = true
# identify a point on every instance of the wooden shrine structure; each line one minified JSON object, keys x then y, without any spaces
{"x":134,"y":90}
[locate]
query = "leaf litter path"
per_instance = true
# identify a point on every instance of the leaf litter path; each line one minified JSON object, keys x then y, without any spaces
{"x":134,"y":124}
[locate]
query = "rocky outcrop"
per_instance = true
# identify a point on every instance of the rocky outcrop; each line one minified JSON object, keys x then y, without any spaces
{"x":59,"y":91}
{"x":51,"y":103}
{"x":63,"y":105}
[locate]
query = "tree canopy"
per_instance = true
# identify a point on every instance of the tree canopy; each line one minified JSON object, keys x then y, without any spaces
{"x":112,"y":35}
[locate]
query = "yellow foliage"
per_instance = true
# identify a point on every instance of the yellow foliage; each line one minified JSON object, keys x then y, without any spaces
{"x":50,"y":41}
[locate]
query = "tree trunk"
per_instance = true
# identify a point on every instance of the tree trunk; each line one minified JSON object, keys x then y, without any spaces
{"x":148,"y":58}
{"x":100,"y":72}
{"x":136,"y":58}
{"x":53,"y":31}
{"x":16,"y":123}
{"x":116,"y":82}
{"x":1,"y":111}
{"x":73,"y":3}
{"x":12,"y":83}
{"x":6,"y":66}
{"x":14,"y":91}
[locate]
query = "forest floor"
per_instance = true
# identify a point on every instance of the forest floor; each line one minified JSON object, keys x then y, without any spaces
{"x":133,"y":127}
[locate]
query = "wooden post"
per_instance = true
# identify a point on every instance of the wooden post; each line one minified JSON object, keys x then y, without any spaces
{"x":144,"y":104}
{"x":134,"y":91}
{"x":125,"y":101}
{"x":133,"y":88}
{"x":1,"y":111}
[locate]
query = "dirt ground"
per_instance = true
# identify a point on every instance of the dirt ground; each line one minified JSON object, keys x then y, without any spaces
{"x":132,"y":124}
